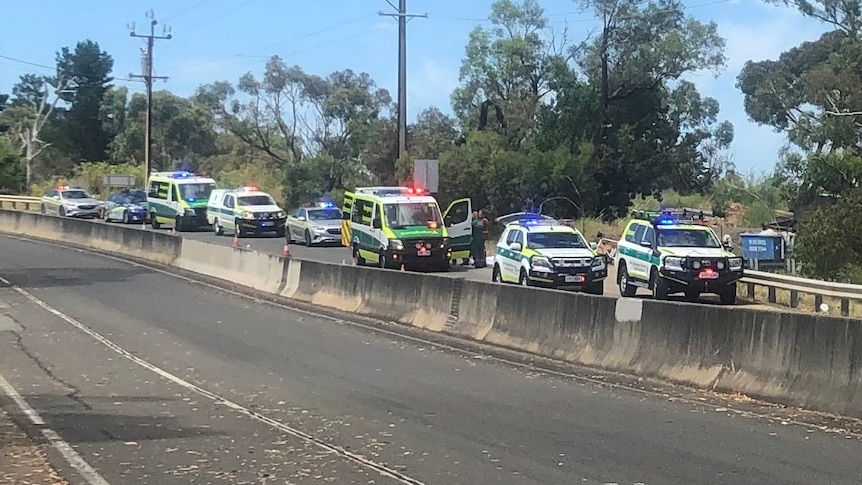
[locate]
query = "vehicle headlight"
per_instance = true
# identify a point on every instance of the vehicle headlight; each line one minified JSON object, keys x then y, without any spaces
{"x":673,"y":263}
{"x":541,"y":263}
{"x":247,"y":215}
{"x":735,"y":264}
{"x":281,"y":214}
{"x":598,"y":263}
{"x":695,"y":265}
{"x":396,"y":244}
{"x":720,"y":265}
{"x":444,"y":243}
{"x":319,"y":229}
{"x":190,"y":212}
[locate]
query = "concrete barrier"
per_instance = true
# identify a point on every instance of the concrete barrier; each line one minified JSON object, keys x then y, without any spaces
{"x":256,"y":270}
{"x":804,"y":360}
{"x":152,"y":246}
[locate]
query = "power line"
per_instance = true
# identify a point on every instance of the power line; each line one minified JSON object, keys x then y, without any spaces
{"x":188,"y":9}
{"x":52,"y":68}
{"x":147,"y":76}
{"x":403,"y":17}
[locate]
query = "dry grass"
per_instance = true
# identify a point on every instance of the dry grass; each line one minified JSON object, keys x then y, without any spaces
{"x":23,"y":462}
{"x":805,"y":301}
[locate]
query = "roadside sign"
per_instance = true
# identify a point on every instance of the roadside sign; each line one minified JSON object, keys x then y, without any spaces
{"x":118,"y":181}
{"x":426,"y":174}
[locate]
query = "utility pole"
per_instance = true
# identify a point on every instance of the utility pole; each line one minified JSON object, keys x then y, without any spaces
{"x":403,"y":17}
{"x":147,"y":76}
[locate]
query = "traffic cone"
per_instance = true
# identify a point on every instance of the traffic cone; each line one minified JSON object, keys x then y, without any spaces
{"x":285,"y":253}
{"x":235,"y":244}
{"x":402,"y":268}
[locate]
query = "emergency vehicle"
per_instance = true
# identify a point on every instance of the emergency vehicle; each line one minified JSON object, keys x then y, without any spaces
{"x":66,"y":201}
{"x":394,"y":226}
{"x":537,"y":250}
{"x":244,"y":210}
{"x":672,"y":252}
{"x":318,"y":223}
{"x":179,"y":199}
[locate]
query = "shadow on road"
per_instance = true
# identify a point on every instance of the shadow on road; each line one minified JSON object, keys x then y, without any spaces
{"x":70,"y":276}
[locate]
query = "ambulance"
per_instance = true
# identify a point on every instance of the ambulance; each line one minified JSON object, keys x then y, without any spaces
{"x":245,"y":211}
{"x":179,"y":199}
{"x":394,"y":227}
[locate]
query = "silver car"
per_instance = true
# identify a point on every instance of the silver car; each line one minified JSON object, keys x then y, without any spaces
{"x":70,"y":202}
{"x":316,"y":225}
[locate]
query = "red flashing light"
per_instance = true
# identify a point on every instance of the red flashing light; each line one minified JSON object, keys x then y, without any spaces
{"x":415,"y":190}
{"x":708,"y":274}
{"x":432,"y":224}
{"x":251,"y":188}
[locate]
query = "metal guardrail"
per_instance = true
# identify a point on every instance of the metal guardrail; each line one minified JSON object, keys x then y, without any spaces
{"x":20,"y":203}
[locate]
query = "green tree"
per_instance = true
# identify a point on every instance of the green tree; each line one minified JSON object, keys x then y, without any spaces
{"x":826,"y":249}
{"x":86,"y":72}
{"x":12,"y":172}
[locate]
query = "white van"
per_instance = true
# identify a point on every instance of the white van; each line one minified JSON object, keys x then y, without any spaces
{"x":245,"y":210}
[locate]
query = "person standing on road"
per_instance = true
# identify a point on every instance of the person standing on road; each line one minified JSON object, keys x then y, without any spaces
{"x":486,"y":235}
{"x":477,"y":246}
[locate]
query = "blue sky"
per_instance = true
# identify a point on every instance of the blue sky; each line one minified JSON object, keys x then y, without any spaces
{"x":223,"y":39}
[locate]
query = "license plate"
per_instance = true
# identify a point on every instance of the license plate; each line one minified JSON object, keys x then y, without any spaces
{"x":423,"y":252}
{"x":266,"y":224}
{"x":573,"y":279}
{"x":708,"y":275}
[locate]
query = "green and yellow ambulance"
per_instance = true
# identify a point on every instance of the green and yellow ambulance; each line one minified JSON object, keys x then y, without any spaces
{"x":178,"y":199}
{"x":391,"y":227}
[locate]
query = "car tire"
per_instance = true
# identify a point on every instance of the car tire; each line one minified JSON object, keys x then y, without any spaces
{"x":281,"y":232}
{"x":154,"y":223}
{"x":597,"y":288}
{"x":728,"y":295}
{"x":178,"y":224}
{"x":126,"y":217}
{"x":360,"y":261}
{"x":495,"y":274}
{"x":308,"y":242}
{"x":659,"y":286}
{"x":381,"y":260}
{"x":62,"y":211}
{"x":524,"y":279}
{"x":626,"y":290}
{"x":217,"y":229}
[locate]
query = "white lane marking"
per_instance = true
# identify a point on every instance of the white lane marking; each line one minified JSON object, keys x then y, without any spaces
{"x":287,"y":429}
{"x":87,"y":472}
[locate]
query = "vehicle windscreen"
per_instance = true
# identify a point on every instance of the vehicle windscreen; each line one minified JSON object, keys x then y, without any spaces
{"x":253,"y":200}
{"x":555,"y":240}
{"x":324,"y":214}
{"x":196,"y":191}
{"x":76,"y":194}
{"x":404,"y":215}
{"x":136,"y":197}
{"x":687,"y":238}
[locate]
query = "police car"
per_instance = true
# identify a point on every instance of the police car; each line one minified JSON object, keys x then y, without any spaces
{"x":315,"y":224}
{"x":68,"y":201}
{"x":540,"y":251}
{"x":675,"y":252}
{"x":244,"y":210}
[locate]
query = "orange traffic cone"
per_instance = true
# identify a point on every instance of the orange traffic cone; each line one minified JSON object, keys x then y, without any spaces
{"x":235,"y":244}
{"x":285,"y":253}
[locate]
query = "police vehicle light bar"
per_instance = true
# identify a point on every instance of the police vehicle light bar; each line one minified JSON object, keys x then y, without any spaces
{"x":671,"y":217}
{"x":183,"y":174}
{"x":391,"y":191}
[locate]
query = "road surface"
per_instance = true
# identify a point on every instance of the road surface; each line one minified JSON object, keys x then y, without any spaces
{"x":153,"y":379}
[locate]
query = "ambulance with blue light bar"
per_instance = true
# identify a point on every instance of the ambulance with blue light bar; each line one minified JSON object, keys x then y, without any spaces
{"x":245,"y":211}
{"x":391,"y":227}
{"x":179,"y":199}
{"x":315,"y":224}
{"x":675,"y":251}
{"x":537,"y":250}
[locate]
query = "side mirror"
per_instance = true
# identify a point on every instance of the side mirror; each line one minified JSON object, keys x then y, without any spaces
{"x":377,"y":224}
{"x":728,"y":246}
{"x":594,"y":246}
{"x":345,"y":216}
{"x":516,"y":247}
{"x":646,"y":244}
{"x":448,"y":221}
{"x":301,"y":218}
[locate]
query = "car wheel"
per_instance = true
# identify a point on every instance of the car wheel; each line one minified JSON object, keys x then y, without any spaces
{"x":659,"y":286}
{"x":126,"y":217}
{"x":524,"y":279}
{"x":307,"y":238}
{"x":360,"y":261}
{"x":62,"y":211}
{"x":728,"y":294}
{"x":495,"y":274}
{"x":217,"y":229}
{"x":627,"y":290}
{"x":154,"y":223}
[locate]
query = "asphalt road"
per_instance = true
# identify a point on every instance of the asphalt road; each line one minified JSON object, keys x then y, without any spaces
{"x":435,"y":416}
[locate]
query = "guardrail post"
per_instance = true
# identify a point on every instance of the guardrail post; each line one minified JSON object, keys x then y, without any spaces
{"x":751,"y":291}
{"x":770,"y":290}
{"x":794,"y":299}
{"x":818,"y":301}
{"x":845,"y":307}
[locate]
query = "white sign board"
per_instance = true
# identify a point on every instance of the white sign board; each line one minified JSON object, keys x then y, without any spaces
{"x":426,"y":174}
{"x":118,"y":181}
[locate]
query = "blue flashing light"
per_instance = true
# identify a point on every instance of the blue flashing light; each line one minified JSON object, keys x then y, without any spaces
{"x":181,"y":175}
{"x":666,"y":221}
{"x":190,"y":199}
{"x":325,"y":205}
